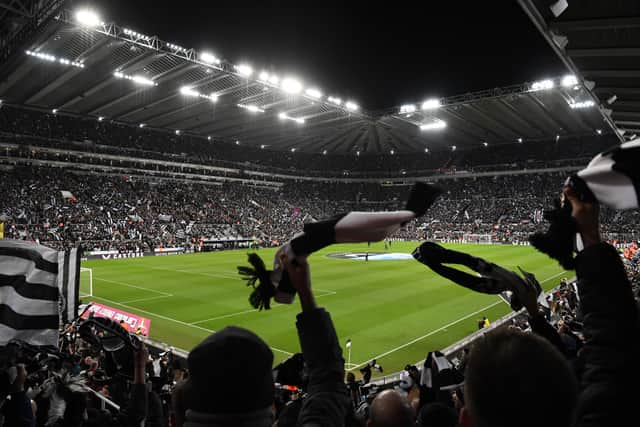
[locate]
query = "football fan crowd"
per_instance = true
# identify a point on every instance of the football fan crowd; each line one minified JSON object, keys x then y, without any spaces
{"x":569,"y":360}
{"x":57,"y":208}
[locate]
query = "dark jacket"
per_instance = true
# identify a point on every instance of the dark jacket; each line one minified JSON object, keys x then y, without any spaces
{"x":327,"y":402}
{"x":611,"y":354}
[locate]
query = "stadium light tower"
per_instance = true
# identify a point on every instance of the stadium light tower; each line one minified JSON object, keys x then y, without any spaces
{"x":88,"y":18}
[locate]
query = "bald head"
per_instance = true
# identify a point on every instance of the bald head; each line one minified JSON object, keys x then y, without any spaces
{"x":391,"y":409}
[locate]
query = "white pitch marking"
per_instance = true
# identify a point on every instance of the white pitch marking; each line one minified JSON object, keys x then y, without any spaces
{"x":146,"y":299}
{"x":239,"y":313}
{"x":413,"y":341}
{"x":133,"y":286}
{"x":176,"y":321}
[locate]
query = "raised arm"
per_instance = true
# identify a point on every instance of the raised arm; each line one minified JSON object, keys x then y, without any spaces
{"x":612,"y":348}
{"x":328,"y":401}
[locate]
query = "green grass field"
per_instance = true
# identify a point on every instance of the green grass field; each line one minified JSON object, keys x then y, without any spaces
{"x":395,"y":311}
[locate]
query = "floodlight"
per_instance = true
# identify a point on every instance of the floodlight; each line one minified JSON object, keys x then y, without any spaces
{"x":142,"y":80}
{"x":237,"y":142}
{"x":54,"y":111}
{"x":293,"y":150}
{"x":426,"y":150}
{"x":118,"y":74}
{"x":454,"y":148}
{"x":351,"y":106}
{"x":252,"y":108}
{"x":283,"y":115}
{"x":334,"y":100}
{"x":299,"y":120}
{"x":324,"y":152}
{"x":209,"y":58}
{"x":613,"y":98}
{"x":88,"y":18}
{"x":244,"y":70}
{"x":188,"y":91}
{"x":357,"y":153}
{"x":431,"y":104}
{"x":582,"y":104}
{"x":264,"y":76}
{"x":392,"y":152}
{"x":557,"y":138}
{"x":435,"y":125}
{"x":262,"y":147}
{"x":408,"y":108}
{"x":314,"y":93}
{"x":520,"y":140}
{"x":209,"y":138}
{"x":100,"y":118}
{"x":274,"y":80}
{"x":291,"y":85}
{"x":177,"y":132}
{"x":543,"y":85}
{"x":485,"y":143}
{"x":141,"y":125}
{"x":569,"y":80}
{"x":599,"y":131}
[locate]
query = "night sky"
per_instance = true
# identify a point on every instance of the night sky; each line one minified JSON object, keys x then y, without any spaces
{"x":379,"y":56}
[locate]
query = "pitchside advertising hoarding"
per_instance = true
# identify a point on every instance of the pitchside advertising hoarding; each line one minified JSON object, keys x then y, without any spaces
{"x":131,"y":322}
{"x":114,"y":254}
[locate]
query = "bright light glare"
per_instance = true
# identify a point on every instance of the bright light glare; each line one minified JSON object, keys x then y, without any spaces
{"x":274,"y":80}
{"x":569,"y":80}
{"x":351,"y":106}
{"x":314,"y":93}
{"x":209,"y":58}
{"x":408,"y":108}
{"x":431,"y":104}
{"x":285,"y":116}
{"x":136,"y":78}
{"x":264,"y":76}
{"x":244,"y":70}
{"x":543,"y":85}
{"x":88,"y":18}
{"x":252,"y":108}
{"x":334,"y":100}
{"x":436,"y":125}
{"x":583,"y":104}
{"x":291,"y":85}
{"x":188,"y":91}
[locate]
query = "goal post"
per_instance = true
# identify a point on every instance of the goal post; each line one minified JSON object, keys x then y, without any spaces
{"x":482,"y":239}
{"x":86,"y":282}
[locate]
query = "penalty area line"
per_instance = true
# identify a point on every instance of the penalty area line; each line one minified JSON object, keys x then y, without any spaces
{"x":180,"y":322}
{"x":415,"y":340}
{"x":253,"y":310}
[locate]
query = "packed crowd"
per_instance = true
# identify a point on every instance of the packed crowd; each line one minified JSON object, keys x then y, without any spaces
{"x":571,"y":360}
{"x":88,"y":134}
{"x":100,"y":212}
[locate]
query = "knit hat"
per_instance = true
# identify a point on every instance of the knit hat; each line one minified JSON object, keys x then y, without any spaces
{"x":230,"y":373}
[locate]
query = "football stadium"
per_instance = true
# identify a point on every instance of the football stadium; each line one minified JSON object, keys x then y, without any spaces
{"x":298,"y":215}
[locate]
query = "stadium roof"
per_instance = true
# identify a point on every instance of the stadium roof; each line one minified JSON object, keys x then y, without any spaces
{"x":81,"y":65}
{"x":599,"y":41}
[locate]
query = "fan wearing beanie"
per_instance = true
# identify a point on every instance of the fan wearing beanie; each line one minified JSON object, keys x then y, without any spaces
{"x":231,"y":380}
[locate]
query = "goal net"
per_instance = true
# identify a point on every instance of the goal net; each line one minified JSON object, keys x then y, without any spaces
{"x":86,"y":282}
{"x":477,"y":238}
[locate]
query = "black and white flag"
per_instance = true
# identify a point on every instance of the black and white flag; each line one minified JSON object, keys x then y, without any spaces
{"x":614,"y":176}
{"x":439,"y":373}
{"x":38,"y":291}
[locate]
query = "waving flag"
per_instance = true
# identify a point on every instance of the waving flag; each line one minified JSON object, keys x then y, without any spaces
{"x":38,"y":291}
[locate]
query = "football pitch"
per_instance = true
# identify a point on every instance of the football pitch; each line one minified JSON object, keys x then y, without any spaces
{"x":392,"y":308}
